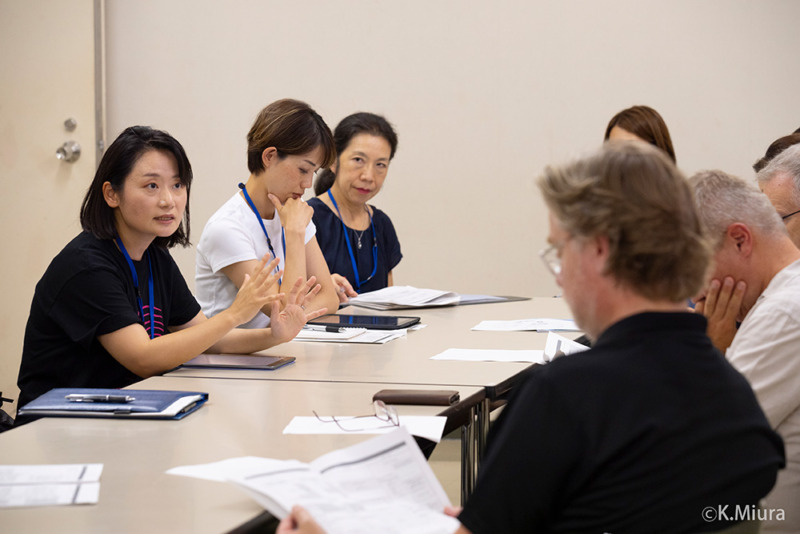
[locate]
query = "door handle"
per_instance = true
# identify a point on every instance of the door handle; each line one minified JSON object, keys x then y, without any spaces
{"x":70,"y":151}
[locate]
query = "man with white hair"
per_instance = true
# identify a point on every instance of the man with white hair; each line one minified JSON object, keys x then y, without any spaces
{"x":756,"y":280}
{"x":780,"y":181}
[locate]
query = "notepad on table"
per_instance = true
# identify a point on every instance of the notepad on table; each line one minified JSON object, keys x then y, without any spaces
{"x":343,"y":334}
{"x":350,"y":335}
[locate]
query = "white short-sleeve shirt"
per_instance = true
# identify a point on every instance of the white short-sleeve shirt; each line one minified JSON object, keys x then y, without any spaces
{"x":233,"y":235}
{"x":766,"y":350}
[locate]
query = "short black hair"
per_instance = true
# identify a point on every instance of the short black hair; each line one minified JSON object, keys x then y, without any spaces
{"x":118,"y":161}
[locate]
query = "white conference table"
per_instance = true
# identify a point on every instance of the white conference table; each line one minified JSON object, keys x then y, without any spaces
{"x":241,"y":418}
{"x":407,"y":360}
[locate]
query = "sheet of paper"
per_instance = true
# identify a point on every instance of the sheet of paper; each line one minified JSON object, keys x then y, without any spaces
{"x":49,"y":485}
{"x":491,"y":355}
{"x":428,"y":427}
{"x":519,"y":325}
{"x":557,"y":345}
{"x":225,"y":470}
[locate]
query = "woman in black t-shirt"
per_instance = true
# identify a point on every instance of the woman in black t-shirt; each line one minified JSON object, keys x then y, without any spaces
{"x":101,"y":311}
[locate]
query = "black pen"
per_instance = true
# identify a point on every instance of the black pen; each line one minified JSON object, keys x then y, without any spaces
{"x":320,"y":328}
{"x":113,"y":399}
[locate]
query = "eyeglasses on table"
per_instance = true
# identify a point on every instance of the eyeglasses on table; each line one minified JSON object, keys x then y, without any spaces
{"x":382,"y":412}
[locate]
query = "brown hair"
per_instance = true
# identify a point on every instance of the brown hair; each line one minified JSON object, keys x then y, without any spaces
{"x":645,"y":123}
{"x":777,"y":146}
{"x":293,"y":128}
{"x":635,"y":196}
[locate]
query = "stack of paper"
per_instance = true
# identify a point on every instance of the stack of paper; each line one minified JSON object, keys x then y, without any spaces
{"x":49,"y":485}
{"x":343,"y":334}
{"x":403,"y":297}
{"x":350,"y":335}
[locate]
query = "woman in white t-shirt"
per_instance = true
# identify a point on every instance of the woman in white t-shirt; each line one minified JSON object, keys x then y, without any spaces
{"x":287,"y":144}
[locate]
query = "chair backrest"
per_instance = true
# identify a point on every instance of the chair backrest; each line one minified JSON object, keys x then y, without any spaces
{"x":6,"y":421}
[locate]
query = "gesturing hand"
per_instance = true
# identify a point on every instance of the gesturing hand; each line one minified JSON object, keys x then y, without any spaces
{"x":287,"y":323}
{"x":254,"y":293}
{"x":721,"y":306}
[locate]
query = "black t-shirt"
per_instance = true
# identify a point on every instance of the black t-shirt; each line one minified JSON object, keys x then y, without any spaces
{"x":637,"y":435}
{"x":87,"y":291}
{"x":330,"y":236}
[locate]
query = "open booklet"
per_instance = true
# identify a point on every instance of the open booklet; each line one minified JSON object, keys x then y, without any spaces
{"x":380,"y":485}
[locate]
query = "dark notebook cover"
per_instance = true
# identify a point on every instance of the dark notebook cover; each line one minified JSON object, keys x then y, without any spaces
{"x":146,"y":404}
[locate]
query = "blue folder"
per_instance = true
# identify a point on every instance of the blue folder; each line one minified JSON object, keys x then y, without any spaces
{"x":117,"y":403}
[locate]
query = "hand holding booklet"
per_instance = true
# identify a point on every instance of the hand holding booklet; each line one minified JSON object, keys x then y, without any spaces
{"x":381,"y":485}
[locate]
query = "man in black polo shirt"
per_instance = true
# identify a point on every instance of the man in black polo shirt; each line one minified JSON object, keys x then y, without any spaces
{"x":651,"y":430}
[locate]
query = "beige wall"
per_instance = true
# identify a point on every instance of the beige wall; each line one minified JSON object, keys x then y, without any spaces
{"x":483,"y":96}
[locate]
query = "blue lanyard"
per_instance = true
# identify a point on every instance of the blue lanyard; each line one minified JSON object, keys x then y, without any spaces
{"x":350,"y":248}
{"x":264,"y":229}
{"x":136,"y":287}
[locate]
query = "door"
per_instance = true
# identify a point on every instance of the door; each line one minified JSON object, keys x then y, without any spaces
{"x":47,"y":69}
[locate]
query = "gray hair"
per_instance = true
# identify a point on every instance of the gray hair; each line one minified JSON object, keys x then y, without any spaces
{"x":723,"y":199}
{"x":785,"y":163}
